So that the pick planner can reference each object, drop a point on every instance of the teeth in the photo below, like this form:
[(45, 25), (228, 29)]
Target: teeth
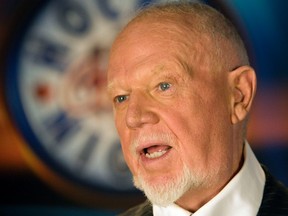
[(155, 154)]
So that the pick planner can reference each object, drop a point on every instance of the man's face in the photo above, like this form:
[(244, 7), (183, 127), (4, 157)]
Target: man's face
[(171, 109)]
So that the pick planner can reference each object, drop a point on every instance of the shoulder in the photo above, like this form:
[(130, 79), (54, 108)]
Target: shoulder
[(275, 197), (143, 209)]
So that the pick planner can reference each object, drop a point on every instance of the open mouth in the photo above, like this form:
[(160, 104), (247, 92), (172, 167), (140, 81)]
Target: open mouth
[(155, 151)]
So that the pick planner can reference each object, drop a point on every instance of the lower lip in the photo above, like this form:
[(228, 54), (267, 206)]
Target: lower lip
[(146, 159)]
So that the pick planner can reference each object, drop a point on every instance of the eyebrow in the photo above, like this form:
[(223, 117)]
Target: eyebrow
[(156, 71), (110, 87), (184, 64)]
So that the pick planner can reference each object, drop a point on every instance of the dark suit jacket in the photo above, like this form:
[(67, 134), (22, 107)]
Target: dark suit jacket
[(274, 201)]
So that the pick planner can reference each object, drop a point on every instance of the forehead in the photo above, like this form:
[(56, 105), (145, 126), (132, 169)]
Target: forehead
[(158, 42), (155, 35), (142, 38), (141, 70)]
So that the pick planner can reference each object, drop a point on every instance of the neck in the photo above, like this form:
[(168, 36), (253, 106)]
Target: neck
[(195, 198)]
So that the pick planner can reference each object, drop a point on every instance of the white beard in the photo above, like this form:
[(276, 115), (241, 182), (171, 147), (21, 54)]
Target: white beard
[(172, 189)]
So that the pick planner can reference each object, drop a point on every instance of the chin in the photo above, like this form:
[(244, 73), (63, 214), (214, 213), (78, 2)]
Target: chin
[(169, 189)]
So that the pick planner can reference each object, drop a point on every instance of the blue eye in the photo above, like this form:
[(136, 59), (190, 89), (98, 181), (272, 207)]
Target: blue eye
[(164, 86), (120, 98)]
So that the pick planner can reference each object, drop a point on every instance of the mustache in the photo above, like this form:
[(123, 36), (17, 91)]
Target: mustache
[(166, 138)]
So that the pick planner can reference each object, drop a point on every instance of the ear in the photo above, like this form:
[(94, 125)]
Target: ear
[(242, 83)]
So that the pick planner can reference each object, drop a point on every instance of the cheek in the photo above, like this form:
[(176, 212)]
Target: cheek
[(198, 129), (120, 124), (126, 142), (124, 138), (128, 154)]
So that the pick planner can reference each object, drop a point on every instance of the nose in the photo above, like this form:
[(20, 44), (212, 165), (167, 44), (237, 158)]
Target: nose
[(140, 112)]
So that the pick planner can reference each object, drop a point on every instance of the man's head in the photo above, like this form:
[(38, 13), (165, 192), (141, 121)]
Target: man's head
[(181, 90)]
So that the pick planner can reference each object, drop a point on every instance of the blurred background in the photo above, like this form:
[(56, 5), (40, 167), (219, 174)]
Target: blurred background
[(59, 152)]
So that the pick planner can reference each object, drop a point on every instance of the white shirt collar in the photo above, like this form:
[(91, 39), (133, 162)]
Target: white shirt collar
[(241, 196)]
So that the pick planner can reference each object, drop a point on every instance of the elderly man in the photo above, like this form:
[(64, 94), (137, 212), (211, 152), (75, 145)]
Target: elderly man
[(181, 86)]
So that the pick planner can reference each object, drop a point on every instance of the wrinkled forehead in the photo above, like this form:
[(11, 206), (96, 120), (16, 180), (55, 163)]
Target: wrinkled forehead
[(168, 36), (163, 33), (143, 39), (157, 31)]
